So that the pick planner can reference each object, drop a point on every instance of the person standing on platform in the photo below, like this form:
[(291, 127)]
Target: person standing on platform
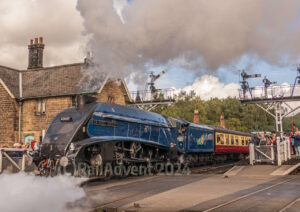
[(292, 137), (263, 140), (297, 144), (274, 138)]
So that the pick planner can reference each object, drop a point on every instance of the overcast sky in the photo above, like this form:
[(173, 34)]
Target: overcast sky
[(57, 21), (202, 44)]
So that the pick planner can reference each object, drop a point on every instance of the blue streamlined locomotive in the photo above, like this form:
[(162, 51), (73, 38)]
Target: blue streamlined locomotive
[(96, 134)]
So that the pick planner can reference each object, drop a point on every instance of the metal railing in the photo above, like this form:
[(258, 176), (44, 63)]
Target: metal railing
[(272, 92), (270, 153), (12, 156), (160, 95)]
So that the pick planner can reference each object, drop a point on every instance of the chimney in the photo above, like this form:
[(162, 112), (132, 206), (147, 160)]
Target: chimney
[(222, 121), (88, 61), (35, 57), (196, 117)]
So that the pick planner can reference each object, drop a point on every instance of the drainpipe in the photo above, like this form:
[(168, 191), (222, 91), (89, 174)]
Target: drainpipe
[(20, 105)]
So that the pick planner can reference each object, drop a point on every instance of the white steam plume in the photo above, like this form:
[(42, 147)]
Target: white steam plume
[(23, 192), (204, 34)]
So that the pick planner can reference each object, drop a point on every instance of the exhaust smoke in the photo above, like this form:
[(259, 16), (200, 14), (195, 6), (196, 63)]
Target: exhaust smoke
[(200, 35), (28, 193)]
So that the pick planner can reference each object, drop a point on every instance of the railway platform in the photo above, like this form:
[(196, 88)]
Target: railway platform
[(258, 170), (253, 189)]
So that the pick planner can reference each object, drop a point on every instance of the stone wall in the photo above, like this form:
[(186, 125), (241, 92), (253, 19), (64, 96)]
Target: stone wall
[(34, 122), (112, 93), (8, 112)]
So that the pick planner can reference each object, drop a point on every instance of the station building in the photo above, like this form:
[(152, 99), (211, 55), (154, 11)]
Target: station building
[(29, 99)]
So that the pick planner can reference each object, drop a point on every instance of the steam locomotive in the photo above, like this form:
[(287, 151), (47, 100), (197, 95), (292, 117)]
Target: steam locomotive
[(96, 134)]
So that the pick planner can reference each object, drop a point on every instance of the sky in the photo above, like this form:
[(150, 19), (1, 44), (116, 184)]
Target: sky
[(203, 44)]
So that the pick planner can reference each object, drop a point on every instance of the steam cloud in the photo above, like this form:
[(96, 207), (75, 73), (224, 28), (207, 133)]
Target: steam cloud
[(208, 86), (23, 192), (195, 34)]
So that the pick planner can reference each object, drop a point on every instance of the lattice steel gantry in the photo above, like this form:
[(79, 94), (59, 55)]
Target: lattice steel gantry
[(148, 100), (273, 96)]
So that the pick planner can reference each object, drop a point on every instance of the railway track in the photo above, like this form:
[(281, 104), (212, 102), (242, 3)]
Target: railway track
[(278, 194), (209, 169), (217, 168), (245, 200)]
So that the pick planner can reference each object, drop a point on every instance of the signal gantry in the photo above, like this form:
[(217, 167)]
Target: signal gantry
[(271, 96)]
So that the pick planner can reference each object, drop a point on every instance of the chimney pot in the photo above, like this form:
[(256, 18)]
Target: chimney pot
[(222, 121), (196, 117), (35, 57)]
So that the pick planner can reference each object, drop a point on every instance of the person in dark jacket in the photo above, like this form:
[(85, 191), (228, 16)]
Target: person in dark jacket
[(297, 144), (173, 153), (255, 140)]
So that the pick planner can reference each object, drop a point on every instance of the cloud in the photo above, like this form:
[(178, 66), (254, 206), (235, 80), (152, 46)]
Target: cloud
[(208, 86), (57, 21), (205, 35), (119, 6)]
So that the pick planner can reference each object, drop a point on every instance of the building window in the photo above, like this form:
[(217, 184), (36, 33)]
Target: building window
[(41, 107), (73, 101), (110, 99)]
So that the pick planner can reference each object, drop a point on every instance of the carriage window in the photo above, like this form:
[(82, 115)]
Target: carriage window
[(227, 139), (145, 131), (243, 141), (236, 140), (133, 130), (222, 138), (163, 136), (154, 134), (232, 140), (210, 137), (218, 139)]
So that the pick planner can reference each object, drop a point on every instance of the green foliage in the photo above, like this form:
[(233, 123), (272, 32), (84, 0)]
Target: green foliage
[(287, 122), (246, 118)]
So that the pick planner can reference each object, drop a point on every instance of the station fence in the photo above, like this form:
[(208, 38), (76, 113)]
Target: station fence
[(14, 159), (273, 154)]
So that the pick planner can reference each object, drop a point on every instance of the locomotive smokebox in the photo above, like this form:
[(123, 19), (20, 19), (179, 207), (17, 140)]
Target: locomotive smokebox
[(82, 100)]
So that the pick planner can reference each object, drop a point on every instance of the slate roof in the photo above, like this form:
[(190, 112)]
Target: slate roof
[(11, 79), (72, 79)]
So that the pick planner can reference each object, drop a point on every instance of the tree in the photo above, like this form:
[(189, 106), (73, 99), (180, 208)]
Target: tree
[(246, 118)]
